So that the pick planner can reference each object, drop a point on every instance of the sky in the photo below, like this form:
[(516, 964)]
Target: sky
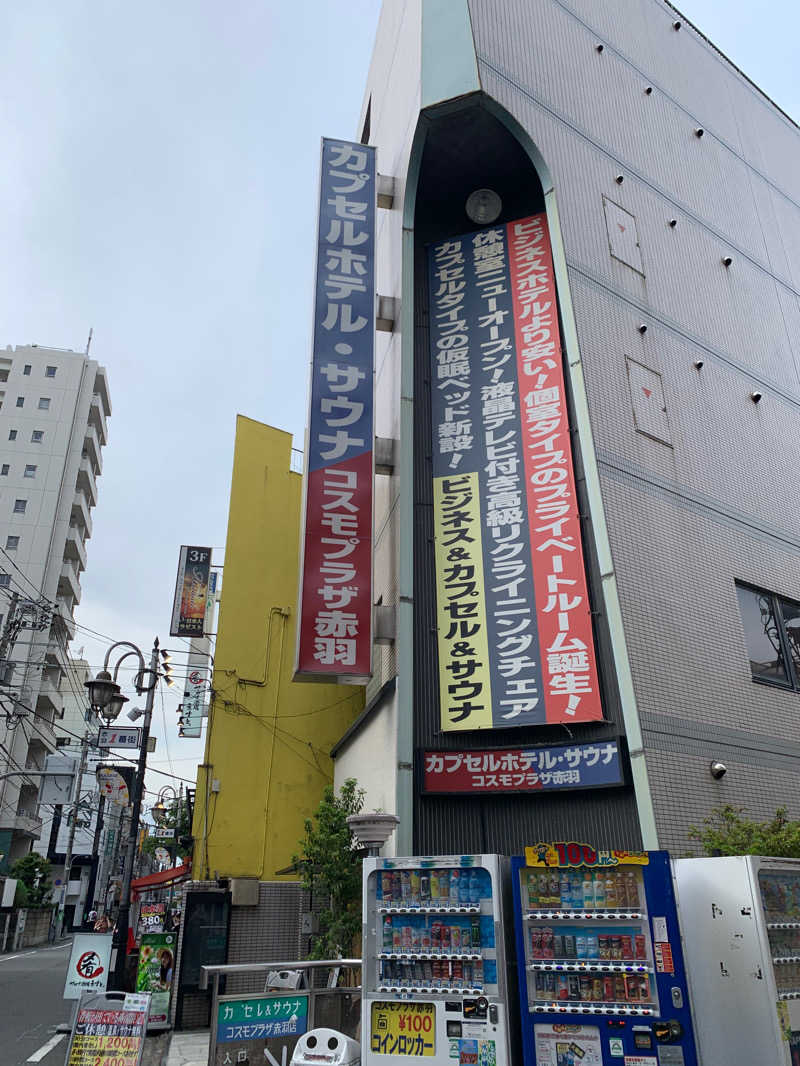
[(158, 185)]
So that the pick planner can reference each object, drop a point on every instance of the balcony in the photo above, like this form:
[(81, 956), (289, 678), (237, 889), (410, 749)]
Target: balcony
[(97, 418), (68, 581), (74, 549), (101, 388), (62, 617), (24, 822), (86, 482), (49, 700), (43, 727), (81, 514), (91, 449)]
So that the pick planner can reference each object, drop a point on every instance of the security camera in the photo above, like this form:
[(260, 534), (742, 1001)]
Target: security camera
[(755, 396), (699, 364), (718, 769)]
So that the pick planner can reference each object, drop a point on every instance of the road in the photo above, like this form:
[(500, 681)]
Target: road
[(31, 986)]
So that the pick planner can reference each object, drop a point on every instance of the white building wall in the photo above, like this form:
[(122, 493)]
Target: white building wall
[(54, 407)]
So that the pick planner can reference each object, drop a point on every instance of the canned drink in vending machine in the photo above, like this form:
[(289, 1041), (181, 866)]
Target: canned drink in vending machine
[(477, 973), (445, 939), (436, 937), (640, 946), (574, 986), (386, 886), (455, 938), (562, 990)]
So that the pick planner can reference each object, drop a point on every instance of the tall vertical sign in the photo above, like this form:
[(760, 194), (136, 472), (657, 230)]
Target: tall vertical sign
[(191, 592), (335, 616), (514, 624)]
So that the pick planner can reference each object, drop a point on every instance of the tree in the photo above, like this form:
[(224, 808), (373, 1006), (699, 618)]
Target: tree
[(330, 863), (728, 832), (176, 817), (33, 873)]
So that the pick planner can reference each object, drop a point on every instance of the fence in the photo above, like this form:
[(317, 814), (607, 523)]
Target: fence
[(330, 1006)]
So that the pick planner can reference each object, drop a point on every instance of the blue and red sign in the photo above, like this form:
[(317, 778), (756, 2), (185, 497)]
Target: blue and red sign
[(335, 631)]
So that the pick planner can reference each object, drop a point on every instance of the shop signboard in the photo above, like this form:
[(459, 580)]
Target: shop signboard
[(155, 972), (89, 961), (191, 592), (514, 625), (151, 918), (119, 737), (541, 769), (109, 1030), (259, 1028), (335, 615)]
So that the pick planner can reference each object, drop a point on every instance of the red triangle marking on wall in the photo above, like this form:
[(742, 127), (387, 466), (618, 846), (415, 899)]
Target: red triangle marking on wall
[(622, 228), (648, 392)]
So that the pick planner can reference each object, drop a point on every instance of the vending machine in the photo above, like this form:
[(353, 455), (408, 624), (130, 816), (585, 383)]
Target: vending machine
[(435, 979), (601, 975), (740, 917)]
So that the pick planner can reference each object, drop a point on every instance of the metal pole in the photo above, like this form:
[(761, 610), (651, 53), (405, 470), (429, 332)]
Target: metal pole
[(71, 838), (98, 829), (117, 977)]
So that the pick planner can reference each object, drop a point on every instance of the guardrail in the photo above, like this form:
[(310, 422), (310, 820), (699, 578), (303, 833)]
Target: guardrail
[(314, 994)]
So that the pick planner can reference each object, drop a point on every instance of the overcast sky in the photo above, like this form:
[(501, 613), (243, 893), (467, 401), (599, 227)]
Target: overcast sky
[(159, 164)]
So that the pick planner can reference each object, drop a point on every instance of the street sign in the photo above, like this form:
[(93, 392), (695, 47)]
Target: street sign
[(258, 1028), (119, 737), (109, 1028), (88, 964), (163, 834)]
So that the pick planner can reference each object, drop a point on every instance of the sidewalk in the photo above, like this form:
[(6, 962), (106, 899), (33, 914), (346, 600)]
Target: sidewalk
[(189, 1049)]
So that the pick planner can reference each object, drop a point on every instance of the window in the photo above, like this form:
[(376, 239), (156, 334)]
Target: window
[(20, 401), (12, 434), (4, 469), (19, 506), (26, 370), (37, 436), (5, 580), (50, 371), (30, 470), (772, 632), (44, 403), (12, 543)]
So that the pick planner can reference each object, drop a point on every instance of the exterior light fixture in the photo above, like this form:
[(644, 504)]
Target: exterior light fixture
[(673, 222), (101, 690), (699, 131), (135, 713), (676, 25), (648, 90), (483, 206), (699, 364), (599, 47), (112, 709)]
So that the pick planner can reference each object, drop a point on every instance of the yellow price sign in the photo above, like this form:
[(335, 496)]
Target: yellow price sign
[(399, 1028)]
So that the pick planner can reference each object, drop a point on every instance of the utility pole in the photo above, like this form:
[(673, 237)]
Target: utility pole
[(98, 829), (71, 838), (117, 977)]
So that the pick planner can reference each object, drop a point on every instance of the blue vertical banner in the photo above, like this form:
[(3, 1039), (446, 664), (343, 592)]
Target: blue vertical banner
[(335, 615)]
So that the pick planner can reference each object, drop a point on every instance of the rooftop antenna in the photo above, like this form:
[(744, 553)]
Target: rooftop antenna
[(89, 341)]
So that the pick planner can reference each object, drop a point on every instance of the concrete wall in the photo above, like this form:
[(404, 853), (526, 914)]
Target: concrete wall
[(711, 502), (268, 737)]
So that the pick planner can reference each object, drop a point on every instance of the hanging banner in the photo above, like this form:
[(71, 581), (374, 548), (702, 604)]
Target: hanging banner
[(513, 614), (335, 615), (154, 974), (191, 592)]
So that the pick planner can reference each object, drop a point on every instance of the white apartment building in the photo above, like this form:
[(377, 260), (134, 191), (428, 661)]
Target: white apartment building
[(54, 406)]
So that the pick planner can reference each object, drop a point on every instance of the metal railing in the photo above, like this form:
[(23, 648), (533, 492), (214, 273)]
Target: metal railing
[(315, 995)]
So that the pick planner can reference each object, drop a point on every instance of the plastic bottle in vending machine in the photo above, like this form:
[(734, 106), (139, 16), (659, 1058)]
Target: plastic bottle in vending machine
[(576, 902), (476, 933), (565, 885), (424, 888), (588, 890), (414, 887), (386, 886), (436, 937), (474, 887), (532, 888), (611, 891), (444, 885), (600, 890), (463, 887), (477, 973), (454, 886), (405, 883), (387, 934), (631, 891), (434, 884), (445, 939)]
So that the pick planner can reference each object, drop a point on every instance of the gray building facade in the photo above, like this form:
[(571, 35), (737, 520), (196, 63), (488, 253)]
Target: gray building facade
[(671, 192)]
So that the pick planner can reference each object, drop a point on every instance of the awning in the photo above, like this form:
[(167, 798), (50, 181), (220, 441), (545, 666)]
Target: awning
[(163, 877)]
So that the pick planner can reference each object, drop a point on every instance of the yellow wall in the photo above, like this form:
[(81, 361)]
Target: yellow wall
[(268, 737)]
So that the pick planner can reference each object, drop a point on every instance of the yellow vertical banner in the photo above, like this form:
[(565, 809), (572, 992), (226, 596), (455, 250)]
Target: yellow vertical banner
[(465, 686)]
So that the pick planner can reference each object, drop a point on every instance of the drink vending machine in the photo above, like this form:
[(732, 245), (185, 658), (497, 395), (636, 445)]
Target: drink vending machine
[(601, 975), (741, 921), (434, 979)]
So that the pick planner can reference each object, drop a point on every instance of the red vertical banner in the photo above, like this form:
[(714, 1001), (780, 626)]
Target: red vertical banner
[(569, 667), (334, 640)]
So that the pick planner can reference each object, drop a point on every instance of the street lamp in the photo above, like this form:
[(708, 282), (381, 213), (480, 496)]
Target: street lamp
[(107, 701)]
